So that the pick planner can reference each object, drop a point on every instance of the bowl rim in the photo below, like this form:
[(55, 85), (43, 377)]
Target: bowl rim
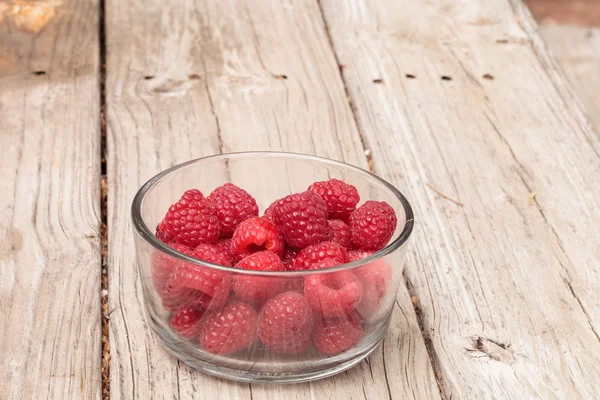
[(145, 233)]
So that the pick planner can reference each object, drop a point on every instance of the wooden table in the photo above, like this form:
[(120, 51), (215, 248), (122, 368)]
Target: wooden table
[(458, 103)]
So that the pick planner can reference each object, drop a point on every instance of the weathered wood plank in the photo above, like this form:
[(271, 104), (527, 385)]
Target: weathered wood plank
[(461, 98), (201, 77), (50, 224), (577, 50)]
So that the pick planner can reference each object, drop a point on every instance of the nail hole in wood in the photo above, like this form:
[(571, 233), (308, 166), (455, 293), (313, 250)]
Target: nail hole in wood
[(280, 77), (38, 73), (446, 78), (378, 80), (410, 76), (193, 76), (148, 77), (502, 41), (488, 76)]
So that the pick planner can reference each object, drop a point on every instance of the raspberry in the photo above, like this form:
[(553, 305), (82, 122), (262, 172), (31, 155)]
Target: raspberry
[(269, 211), (187, 322), (333, 294), (191, 221), (292, 285), (339, 232), (162, 265), (355, 255), (336, 335), (376, 279), (372, 225), (268, 214), (194, 285), (212, 254), (232, 205), (301, 219), (229, 330), (341, 198), (285, 323), (162, 236), (319, 256), (255, 234), (225, 245), (258, 289), (288, 257)]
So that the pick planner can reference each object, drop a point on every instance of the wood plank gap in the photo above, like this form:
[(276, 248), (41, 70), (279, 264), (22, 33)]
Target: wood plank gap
[(105, 361), (366, 148)]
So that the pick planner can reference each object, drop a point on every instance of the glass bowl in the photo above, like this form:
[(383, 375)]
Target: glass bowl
[(349, 306)]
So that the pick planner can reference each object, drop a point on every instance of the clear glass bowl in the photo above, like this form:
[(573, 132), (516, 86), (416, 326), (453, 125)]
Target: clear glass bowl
[(269, 176)]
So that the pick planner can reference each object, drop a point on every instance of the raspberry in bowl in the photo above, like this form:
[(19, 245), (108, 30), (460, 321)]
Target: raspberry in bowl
[(270, 267)]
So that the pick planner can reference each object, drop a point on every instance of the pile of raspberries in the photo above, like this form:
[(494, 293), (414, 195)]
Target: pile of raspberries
[(319, 228)]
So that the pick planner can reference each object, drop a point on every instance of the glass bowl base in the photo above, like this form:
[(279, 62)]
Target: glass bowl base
[(266, 371)]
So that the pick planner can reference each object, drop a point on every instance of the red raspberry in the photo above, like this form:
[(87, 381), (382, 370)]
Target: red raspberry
[(229, 330), (289, 255), (355, 255), (191, 284), (319, 256), (333, 294), (339, 232), (269, 211), (232, 206), (372, 225), (268, 214), (255, 234), (340, 197), (225, 245), (187, 322), (292, 285), (376, 280), (285, 323), (212, 254), (301, 219), (195, 286), (191, 221), (162, 236), (258, 289), (162, 265), (336, 335)]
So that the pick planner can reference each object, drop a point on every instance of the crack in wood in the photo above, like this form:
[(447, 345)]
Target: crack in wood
[(436, 365), (587, 315)]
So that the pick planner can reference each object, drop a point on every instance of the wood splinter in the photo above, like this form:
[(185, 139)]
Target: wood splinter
[(444, 196)]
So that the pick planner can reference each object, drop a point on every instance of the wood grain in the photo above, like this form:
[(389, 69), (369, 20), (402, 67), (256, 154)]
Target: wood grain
[(577, 51), (50, 224), (203, 77), (464, 97)]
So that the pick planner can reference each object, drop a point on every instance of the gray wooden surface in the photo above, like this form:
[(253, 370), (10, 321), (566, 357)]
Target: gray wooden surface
[(202, 80), (506, 283), (577, 51), (459, 104), (50, 204)]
